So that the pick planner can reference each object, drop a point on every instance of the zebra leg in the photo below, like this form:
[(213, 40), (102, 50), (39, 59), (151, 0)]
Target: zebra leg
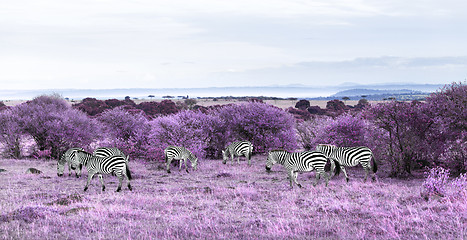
[(90, 175), (186, 168), (120, 180), (291, 178), (326, 178), (345, 173), (128, 181), (180, 167), (69, 169), (367, 170), (168, 164), (316, 179), (101, 178), (295, 179)]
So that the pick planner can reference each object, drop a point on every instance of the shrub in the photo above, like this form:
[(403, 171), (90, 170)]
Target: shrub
[(125, 130), (265, 126), (10, 134), (413, 139), (191, 129), (302, 104), (299, 114), (436, 181), (54, 125)]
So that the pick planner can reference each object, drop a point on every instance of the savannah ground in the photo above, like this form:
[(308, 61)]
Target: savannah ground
[(232, 201)]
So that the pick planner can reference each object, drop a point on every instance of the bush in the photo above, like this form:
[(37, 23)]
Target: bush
[(10, 134), (191, 129), (436, 181), (54, 125), (265, 126), (413, 138), (126, 130), (302, 104)]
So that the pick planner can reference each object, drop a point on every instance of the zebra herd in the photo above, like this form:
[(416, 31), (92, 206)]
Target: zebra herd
[(113, 161)]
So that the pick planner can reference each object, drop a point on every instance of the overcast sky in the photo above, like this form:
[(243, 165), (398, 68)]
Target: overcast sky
[(188, 43)]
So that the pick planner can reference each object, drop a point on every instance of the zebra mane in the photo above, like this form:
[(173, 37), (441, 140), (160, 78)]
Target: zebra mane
[(278, 150), (329, 145)]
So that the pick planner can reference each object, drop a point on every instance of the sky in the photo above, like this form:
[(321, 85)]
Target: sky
[(106, 44)]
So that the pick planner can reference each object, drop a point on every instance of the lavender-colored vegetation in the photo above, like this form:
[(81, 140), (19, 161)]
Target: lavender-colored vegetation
[(220, 202), (236, 201)]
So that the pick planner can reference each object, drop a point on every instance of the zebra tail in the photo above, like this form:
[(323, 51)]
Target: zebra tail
[(375, 167), (337, 169), (128, 173)]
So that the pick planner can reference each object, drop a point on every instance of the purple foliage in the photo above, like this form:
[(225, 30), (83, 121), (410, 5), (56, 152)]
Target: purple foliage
[(220, 202), (54, 125), (299, 114), (265, 126), (10, 134), (413, 138), (125, 130), (302, 104), (193, 130), (436, 181)]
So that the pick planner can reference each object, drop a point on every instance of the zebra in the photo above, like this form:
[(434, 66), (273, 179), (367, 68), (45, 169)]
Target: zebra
[(244, 148), (306, 161), (104, 165), (105, 152), (350, 157), (179, 153), (69, 158)]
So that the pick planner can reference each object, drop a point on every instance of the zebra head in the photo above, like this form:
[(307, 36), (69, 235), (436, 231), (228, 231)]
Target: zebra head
[(270, 161), (60, 168), (194, 163), (225, 156)]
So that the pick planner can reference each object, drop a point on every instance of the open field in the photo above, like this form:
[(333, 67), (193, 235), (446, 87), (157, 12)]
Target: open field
[(219, 202)]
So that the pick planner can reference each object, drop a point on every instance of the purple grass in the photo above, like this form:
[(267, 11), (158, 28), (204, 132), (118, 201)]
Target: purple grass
[(218, 201)]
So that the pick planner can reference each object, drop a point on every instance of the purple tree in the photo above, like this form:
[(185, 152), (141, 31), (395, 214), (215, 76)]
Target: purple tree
[(10, 133), (413, 139), (124, 129), (449, 110), (193, 130), (54, 125), (265, 126)]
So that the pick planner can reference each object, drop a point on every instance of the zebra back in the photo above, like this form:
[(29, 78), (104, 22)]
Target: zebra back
[(104, 165), (178, 153), (106, 151), (306, 161), (240, 148)]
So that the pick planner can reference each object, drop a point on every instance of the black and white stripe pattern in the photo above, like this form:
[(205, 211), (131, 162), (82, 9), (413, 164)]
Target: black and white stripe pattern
[(69, 159), (302, 162), (237, 149), (179, 153), (350, 157), (106, 151), (112, 164)]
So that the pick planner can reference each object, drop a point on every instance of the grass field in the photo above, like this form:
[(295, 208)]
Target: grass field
[(219, 202)]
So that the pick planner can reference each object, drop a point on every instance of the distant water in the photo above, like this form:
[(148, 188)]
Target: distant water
[(270, 91)]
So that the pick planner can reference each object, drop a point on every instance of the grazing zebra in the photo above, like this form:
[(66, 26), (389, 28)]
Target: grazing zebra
[(105, 152), (179, 153), (238, 149), (350, 157), (104, 165), (69, 158), (302, 162)]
